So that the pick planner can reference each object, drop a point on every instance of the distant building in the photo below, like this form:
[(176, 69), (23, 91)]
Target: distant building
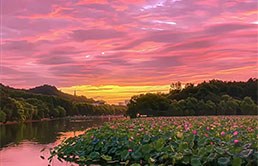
[(74, 92)]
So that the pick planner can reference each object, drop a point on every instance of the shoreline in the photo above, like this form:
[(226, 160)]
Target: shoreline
[(68, 117), (27, 121)]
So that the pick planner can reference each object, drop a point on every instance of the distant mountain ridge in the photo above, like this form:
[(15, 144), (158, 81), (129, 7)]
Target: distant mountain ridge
[(45, 90), (53, 91)]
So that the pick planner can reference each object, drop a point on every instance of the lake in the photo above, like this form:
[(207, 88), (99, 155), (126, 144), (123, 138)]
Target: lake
[(20, 144)]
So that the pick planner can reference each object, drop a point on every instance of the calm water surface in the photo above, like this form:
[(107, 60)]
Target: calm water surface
[(20, 144)]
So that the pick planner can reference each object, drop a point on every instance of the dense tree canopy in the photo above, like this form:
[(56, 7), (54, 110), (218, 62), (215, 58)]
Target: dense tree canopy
[(208, 98), (21, 105)]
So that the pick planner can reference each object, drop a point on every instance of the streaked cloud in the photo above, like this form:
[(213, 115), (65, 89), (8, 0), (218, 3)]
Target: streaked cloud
[(133, 46)]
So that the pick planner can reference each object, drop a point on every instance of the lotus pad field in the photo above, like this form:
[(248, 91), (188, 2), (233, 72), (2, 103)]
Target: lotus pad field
[(166, 141)]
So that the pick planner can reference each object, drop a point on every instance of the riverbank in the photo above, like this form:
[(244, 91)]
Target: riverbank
[(72, 118)]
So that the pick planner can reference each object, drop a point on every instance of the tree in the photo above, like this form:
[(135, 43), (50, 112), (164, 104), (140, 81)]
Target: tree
[(228, 105), (2, 116), (18, 113), (61, 110), (248, 107), (211, 108), (148, 104)]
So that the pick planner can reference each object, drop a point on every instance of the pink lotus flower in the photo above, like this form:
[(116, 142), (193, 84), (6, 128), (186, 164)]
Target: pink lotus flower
[(235, 133), (194, 132), (186, 128), (130, 140), (146, 132), (170, 138), (92, 137), (137, 134), (141, 129), (131, 129), (113, 127), (250, 129), (222, 133), (208, 128), (130, 150), (211, 143), (236, 141)]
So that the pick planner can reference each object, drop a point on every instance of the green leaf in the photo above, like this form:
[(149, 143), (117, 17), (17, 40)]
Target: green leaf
[(82, 158), (223, 161), (106, 157), (220, 150), (124, 155), (186, 160), (237, 162), (136, 155), (112, 150), (211, 157), (188, 152), (256, 155), (42, 157), (196, 161), (94, 155), (146, 148), (182, 146), (135, 164), (146, 139), (159, 144)]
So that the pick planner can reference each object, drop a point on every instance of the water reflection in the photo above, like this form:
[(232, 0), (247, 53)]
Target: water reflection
[(20, 144)]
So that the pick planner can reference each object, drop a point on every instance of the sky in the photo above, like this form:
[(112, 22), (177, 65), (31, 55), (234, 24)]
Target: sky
[(113, 49)]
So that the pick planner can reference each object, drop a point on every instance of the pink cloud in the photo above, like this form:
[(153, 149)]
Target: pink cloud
[(120, 42)]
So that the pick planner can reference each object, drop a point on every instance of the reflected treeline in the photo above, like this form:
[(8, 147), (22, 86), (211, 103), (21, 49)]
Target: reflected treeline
[(43, 132)]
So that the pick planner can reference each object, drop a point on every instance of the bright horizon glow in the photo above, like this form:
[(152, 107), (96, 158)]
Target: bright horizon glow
[(136, 46), (113, 94)]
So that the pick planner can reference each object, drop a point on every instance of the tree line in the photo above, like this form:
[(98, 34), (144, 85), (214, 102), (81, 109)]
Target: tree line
[(20, 105), (208, 98)]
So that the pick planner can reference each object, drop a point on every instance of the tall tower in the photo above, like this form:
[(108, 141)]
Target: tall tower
[(74, 92)]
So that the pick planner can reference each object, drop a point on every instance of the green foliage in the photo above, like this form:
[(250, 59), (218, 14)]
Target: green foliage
[(248, 107), (61, 110), (21, 105), (214, 89), (167, 141), (148, 104), (212, 98), (2, 116)]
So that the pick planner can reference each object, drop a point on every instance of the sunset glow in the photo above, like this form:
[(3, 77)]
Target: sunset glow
[(112, 50)]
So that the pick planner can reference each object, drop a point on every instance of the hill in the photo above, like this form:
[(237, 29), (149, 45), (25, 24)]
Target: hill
[(53, 91)]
